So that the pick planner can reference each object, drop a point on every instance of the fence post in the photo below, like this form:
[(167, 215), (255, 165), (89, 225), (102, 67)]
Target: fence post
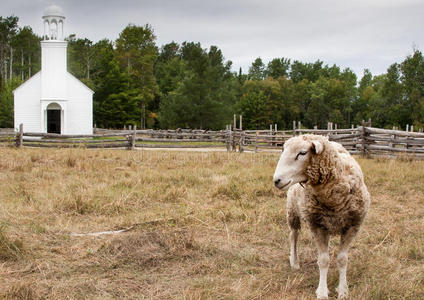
[(392, 139), (294, 128), (241, 122), (271, 138), (227, 138), (229, 132), (275, 135), (234, 135), (20, 136), (408, 129), (133, 138), (241, 147), (364, 134), (256, 142)]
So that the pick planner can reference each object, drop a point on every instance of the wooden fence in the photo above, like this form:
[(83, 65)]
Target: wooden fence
[(366, 141), (121, 139), (258, 140), (384, 142)]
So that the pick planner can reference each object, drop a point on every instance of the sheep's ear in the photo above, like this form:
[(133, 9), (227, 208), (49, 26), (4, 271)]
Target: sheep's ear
[(317, 147)]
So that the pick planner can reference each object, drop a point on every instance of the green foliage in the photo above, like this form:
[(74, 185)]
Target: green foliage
[(185, 85), (6, 103), (137, 53), (27, 53), (80, 56), (177, 110), (110, 81), (308, 71), (202, 92), (268, 101), (19, 60), (123, 108), (281, 101), (278, 67), (257, 70), (412, 80), (8, 29), (253, 105), (169, 68)]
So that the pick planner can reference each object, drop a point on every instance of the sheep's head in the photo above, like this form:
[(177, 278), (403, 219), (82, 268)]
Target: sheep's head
[(294, 164)]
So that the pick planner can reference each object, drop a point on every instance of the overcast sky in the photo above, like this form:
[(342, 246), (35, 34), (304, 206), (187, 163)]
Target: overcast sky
[(357, 34)]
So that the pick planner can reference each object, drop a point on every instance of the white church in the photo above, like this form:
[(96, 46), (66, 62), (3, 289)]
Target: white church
[(53, 100)]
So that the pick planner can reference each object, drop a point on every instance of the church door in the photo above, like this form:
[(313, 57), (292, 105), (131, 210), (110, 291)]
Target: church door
[(53, 121)]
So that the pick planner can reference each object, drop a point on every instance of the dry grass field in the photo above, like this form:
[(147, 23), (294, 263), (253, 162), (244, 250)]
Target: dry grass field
[(206, 226)]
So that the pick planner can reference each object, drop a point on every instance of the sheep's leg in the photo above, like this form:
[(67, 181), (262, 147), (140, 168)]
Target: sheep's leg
[(342, 259), (294, 257), (293, 221), (321, 239)]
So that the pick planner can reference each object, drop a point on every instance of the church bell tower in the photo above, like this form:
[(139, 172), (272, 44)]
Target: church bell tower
[(53, 55)]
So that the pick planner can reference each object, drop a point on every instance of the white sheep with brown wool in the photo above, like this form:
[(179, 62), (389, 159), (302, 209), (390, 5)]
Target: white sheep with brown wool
[(326, 190)]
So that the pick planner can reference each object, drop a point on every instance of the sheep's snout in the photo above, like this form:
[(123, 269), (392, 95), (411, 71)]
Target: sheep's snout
[(281, 184)]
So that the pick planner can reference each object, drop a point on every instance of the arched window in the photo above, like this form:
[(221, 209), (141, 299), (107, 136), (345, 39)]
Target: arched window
[(60, 29), (54, 105), (46, 29), (53, 29)]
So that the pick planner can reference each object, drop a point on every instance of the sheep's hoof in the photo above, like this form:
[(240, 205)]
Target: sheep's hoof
[(322, 294), (343, 293), (294, 263)]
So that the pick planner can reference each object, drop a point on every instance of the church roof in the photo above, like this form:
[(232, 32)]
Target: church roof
[(23, 85), (38, 75), (53, 10)]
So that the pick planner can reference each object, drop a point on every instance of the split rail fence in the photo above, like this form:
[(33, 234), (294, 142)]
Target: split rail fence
[(365, 141)]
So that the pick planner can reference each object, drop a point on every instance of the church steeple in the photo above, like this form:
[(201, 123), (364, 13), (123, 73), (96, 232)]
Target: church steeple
[(53, 23), (53, 55)]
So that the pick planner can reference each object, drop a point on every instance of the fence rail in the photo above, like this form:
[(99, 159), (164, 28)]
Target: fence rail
[(367, 141)]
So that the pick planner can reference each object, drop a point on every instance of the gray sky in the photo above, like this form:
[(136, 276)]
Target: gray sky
[(357, 34)]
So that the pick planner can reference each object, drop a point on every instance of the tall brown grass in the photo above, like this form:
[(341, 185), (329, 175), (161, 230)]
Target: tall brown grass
[(207, 226)]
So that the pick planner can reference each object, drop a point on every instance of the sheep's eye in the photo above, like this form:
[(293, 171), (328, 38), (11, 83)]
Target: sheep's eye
[(300, 153)]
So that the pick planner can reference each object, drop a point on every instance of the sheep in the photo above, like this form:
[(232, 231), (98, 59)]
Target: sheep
[(326, 190)]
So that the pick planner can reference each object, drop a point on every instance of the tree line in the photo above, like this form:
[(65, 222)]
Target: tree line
[(136, 82)]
